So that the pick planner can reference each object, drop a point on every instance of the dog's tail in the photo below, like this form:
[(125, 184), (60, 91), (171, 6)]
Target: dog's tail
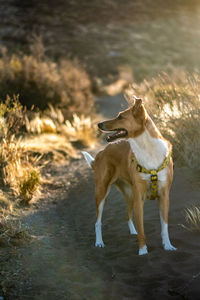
[(88, 158)]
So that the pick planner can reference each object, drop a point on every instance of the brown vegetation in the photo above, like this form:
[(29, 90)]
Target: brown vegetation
[(12, 233), (15, 166), (40, 81)]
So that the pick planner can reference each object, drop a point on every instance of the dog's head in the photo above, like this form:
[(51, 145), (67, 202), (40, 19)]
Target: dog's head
[(128, 124)]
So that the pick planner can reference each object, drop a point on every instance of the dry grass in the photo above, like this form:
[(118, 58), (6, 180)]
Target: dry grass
[(192, 216), (15, 166), (61, 133), (6, 203), (50, 146), (82, 129), (40, 125), (174, 104), (12, 232)]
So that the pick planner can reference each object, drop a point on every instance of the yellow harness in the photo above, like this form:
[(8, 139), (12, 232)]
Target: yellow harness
[(154, 174)]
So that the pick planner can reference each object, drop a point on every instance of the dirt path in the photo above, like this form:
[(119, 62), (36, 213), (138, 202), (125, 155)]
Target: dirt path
[(62, 262)]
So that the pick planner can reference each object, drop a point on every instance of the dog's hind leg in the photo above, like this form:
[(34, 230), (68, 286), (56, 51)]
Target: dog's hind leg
[(101, 191), (127, 193)]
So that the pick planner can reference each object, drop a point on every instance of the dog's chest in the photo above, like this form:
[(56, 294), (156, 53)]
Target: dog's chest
[(150, 154)]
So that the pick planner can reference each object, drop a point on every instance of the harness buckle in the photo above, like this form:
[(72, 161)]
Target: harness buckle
[(154, 177)]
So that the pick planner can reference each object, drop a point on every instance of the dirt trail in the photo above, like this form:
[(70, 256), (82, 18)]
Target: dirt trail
[(62, 262)]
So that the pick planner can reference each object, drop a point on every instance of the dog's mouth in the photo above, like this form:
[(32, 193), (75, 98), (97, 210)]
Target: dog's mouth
[(118, 133)]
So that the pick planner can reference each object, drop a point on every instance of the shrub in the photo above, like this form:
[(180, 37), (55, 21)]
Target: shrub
[(14, 163), (12, 232), (11, 117), (29, 183), (40, 81)]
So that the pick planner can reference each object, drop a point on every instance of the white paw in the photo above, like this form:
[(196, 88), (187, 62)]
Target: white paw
[(143, 250), (100, 244), (133, 232), (169, 247)]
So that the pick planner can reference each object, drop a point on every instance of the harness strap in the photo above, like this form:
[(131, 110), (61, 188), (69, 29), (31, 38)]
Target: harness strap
[(154, 174)]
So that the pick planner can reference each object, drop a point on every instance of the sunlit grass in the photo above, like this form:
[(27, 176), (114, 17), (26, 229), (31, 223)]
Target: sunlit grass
[(46, 144), (17, 168), (61, 133), (174, 103), (82, 129), (192, 217), (40, 125)]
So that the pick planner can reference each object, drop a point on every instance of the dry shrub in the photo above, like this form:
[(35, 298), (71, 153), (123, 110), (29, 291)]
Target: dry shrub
[(29, 184), (14, 163), (12, 232), (17, 171), (40, 81), (174, 104), (192, 216), (40, 125), (81, 129), (6, 203)]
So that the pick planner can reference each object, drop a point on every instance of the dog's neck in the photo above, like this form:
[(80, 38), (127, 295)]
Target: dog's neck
[(150, 148)]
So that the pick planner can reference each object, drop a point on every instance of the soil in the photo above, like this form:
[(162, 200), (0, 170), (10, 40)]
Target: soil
[(61, 261)]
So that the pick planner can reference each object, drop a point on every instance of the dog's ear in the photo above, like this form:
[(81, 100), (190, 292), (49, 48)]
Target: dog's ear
[(137, 106)]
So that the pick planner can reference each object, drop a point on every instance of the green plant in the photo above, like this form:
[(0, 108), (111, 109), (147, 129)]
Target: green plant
[(29, 183)]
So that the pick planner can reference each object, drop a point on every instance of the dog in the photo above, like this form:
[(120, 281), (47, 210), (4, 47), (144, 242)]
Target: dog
[(138, 161)]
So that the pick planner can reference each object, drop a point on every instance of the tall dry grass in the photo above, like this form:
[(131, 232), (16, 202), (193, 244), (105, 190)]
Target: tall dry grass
[(174, 104), (192, 217), (51, 132), (16, 171)]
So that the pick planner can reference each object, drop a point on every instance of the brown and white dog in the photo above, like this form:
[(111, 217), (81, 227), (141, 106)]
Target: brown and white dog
[(134, 133)]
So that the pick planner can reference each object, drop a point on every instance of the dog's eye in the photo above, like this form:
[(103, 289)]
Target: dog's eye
[(119, 117)]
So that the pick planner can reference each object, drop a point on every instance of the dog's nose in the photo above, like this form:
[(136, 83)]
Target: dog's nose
[(100, 125)]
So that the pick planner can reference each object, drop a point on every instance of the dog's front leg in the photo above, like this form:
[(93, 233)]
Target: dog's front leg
[(139, 212), (164, 208)]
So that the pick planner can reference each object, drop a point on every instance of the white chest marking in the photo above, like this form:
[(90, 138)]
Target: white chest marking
[(150, 153)]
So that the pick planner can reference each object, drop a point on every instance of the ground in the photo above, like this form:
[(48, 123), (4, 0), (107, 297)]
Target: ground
[(61, 261)]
